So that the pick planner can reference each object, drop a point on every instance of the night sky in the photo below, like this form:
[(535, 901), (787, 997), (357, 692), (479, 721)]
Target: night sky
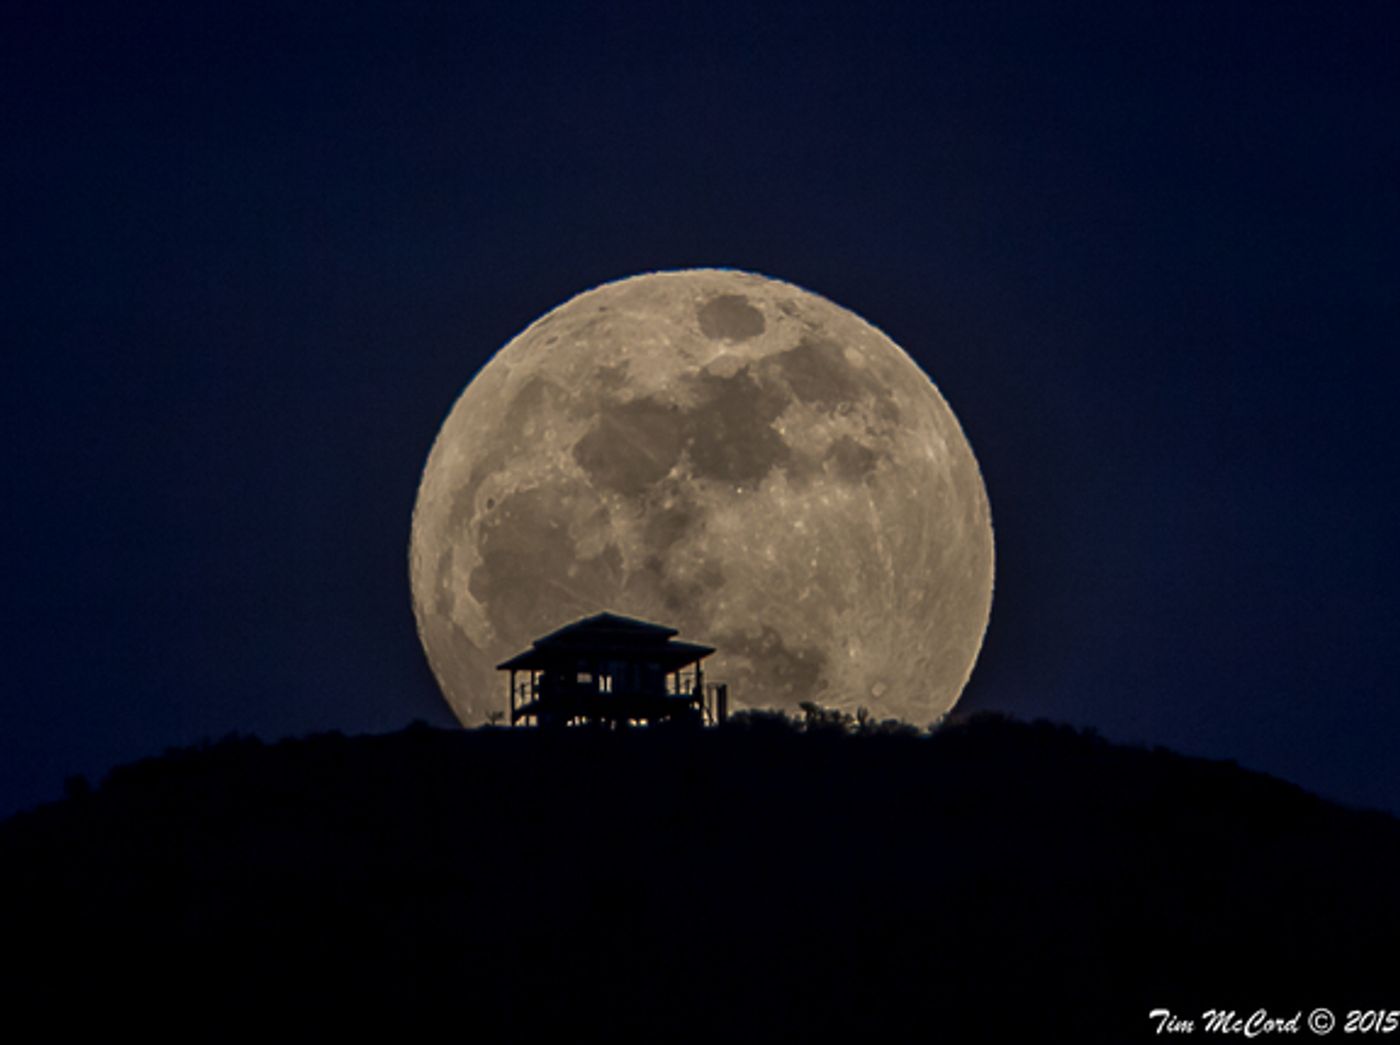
[(1149, 252)]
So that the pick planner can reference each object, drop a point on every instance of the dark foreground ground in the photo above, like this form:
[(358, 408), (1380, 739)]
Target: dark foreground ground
[(997, 881)]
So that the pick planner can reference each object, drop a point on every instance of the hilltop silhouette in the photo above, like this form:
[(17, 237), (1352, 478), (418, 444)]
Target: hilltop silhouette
[(764, 881)]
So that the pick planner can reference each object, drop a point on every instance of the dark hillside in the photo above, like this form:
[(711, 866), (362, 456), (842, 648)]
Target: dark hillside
[(751, 883)]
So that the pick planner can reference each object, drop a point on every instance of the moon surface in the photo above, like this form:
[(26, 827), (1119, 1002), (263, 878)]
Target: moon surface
[(725, 453)]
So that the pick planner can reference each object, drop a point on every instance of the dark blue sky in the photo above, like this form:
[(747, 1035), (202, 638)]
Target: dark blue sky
[(1150, 253)]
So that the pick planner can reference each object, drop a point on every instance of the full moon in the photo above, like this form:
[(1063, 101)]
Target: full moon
[(724, 453)]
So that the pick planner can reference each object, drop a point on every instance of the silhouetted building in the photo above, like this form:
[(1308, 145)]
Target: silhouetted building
[(613, 671)]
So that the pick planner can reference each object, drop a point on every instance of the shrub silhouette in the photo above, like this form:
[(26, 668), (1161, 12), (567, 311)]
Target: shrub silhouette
[(818, 719)]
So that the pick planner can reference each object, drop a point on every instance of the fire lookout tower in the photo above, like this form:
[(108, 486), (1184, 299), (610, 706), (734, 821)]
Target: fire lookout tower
[(613, 671)]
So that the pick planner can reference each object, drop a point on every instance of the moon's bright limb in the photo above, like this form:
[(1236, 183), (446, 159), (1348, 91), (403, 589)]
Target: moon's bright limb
[(721, 452)]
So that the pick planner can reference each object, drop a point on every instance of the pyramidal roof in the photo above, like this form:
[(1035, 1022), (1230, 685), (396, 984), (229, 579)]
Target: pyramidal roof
[(610, 633), (608, 626)]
